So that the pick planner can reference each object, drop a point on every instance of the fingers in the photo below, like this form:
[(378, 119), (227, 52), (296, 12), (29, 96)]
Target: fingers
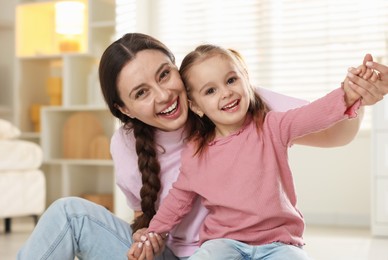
[(148, 251), (136, 237), (157, 243), (147, 247), (369, 91), (136, 251), (368, 57), (375, 76), (351, 96), (368, 73), (377, 66)]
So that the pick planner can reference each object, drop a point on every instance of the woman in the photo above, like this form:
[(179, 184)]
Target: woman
[(143, 89)]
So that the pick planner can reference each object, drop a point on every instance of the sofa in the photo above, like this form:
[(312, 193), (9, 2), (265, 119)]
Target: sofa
[(22, 182)]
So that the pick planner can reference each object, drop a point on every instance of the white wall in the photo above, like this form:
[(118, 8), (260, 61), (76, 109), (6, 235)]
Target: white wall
[(334, 184)]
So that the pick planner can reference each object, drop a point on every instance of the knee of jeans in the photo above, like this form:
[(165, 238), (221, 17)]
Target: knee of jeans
[(68, 204)]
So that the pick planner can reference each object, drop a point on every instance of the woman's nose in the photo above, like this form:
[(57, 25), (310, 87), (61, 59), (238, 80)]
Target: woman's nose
[(161, 94)]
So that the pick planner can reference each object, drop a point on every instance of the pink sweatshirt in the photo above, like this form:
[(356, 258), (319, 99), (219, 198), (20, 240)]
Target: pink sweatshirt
[(244, 179), (184, 238)]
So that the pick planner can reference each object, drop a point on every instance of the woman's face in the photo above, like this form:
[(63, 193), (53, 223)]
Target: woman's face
[(152, 91)]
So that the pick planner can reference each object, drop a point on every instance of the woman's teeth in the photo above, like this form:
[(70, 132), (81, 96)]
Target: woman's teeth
[(170, 108)]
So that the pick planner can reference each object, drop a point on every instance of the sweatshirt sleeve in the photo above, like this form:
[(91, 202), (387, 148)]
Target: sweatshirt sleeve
[(316, 116), (127, 174), (279, 102), (174, 207)]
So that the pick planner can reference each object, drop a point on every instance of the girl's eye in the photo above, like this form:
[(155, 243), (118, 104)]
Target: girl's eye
[(210, 91), (231, 80)]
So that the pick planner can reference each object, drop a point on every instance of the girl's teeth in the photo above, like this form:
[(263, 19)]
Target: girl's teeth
[(231, 105)]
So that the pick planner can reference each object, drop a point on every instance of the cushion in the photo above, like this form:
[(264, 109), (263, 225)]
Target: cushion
[(8, 130)]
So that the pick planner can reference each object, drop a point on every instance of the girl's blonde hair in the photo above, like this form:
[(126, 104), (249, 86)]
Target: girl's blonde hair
[(201, 130)]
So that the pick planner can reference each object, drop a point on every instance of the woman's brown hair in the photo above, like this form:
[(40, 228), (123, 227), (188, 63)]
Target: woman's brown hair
[(114, 58), (201, 129)]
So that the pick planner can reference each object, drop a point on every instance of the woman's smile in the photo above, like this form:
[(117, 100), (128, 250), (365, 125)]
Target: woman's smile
[(172, 110)]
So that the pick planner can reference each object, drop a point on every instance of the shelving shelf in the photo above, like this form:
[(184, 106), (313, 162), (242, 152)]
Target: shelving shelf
[(379, 216), (41, 66)]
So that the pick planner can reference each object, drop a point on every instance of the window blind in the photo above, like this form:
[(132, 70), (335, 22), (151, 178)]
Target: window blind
[(300, 48)]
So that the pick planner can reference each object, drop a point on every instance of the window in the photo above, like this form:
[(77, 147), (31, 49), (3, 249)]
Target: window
[(300, 48)]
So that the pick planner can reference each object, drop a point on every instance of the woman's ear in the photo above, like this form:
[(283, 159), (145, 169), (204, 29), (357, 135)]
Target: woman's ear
[(124, 110), (195, 108)]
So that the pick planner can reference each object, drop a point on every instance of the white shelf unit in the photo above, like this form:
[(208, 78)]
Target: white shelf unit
[(53, 123), (74, 177), (7, 58), (379, 189), (80, 93)]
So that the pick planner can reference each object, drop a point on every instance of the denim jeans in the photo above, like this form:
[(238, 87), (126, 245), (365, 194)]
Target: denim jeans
[(221, 249), (76, 227)]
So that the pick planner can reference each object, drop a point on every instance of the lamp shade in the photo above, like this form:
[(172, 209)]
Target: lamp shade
[(69, 17)]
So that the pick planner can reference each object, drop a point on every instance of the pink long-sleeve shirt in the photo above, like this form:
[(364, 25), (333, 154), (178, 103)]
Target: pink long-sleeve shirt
[(244, 180), (184, 238)]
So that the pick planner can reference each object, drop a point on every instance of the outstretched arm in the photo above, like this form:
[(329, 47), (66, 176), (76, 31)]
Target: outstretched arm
[(370, 89)]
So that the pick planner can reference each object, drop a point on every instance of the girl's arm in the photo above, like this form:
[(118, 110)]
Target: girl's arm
[(343, 132), (339, 134)]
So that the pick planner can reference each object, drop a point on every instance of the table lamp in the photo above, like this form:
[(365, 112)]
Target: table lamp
[(69, 23)]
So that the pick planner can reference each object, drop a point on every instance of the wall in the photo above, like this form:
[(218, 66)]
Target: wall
[(334, 184)]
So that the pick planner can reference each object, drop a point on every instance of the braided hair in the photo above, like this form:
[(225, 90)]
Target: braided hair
[(114, 58)]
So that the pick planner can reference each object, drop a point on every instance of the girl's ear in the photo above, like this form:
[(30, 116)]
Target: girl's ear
[(124, 110), (195, 108)]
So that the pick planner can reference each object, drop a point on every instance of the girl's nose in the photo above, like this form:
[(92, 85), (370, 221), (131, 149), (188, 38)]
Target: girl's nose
[(226, 92)]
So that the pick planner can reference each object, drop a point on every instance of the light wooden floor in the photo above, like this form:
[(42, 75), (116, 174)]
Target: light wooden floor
[(322, 243)]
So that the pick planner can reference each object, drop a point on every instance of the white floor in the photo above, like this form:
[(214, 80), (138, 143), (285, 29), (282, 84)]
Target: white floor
[(322, 243)]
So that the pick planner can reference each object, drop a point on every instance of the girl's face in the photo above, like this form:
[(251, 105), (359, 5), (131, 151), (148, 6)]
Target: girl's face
[(152, 91), (220, 91)]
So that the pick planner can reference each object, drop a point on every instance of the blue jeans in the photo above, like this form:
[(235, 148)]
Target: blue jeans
[(220, 249), (76, 227)]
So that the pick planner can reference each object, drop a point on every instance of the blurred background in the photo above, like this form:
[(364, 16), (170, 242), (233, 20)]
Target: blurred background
[(49, 88)]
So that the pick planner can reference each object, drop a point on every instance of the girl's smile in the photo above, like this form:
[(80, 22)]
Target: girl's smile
[(232, 106)]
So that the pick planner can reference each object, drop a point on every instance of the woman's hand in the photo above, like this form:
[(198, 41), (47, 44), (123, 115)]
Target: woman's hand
[(145, 245), (382, 82), (369, 84), (140, 249)]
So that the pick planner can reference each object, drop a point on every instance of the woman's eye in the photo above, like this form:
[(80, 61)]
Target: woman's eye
[(139, 93), (210, 91), (164, 74)]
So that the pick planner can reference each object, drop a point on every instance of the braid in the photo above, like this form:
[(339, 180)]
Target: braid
[(149, 167), (113, 60)]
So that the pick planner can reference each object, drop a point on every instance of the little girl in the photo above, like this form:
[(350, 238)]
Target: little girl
[(235, 161)]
